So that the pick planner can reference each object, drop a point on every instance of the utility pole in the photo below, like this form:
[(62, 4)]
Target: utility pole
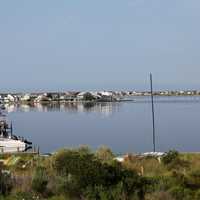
[(153, 113)]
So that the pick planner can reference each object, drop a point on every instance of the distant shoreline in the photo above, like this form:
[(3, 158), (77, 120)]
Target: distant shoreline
[(88, 96)]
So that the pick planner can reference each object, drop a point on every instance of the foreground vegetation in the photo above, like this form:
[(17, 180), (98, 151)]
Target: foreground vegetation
[(80, 174)]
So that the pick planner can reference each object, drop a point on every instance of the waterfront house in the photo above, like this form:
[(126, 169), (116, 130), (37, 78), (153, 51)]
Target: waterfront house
[(80, 96), (69, 96), (42, 98), (26, 97), (107, 96), (88, 96), (9, 98), (54, 96)]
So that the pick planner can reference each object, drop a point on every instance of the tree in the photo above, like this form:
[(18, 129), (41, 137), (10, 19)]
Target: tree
[(88, 97)]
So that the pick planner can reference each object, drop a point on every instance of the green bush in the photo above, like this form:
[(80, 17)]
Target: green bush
[(104, 154), (177, 192), (159, 195), (83, 171), (170, 157), (60, 197), (197, 195), (173, 161), (39, 180), (103, 193), (193, 180), (5, 183), (23, 196)]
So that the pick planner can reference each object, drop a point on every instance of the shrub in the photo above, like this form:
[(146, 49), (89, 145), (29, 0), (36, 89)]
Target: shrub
[(23, 196), (60, 197), (170, 157), (193, 180), (177, 192), (5, 183), (40, 180), (197, 195), (105, 154), (173, 161), (160, 195), (83, 171), (102, 193)]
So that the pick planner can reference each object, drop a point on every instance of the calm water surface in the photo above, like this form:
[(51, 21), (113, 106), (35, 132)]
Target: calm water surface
[(124, 126)]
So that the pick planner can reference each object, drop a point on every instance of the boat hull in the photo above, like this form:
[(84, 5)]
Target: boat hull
[(10, 146)]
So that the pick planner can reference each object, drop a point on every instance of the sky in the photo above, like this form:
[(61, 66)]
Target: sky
[(99, 45)]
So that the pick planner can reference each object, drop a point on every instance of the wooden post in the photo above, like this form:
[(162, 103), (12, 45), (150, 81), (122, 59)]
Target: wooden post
[(142, 170)]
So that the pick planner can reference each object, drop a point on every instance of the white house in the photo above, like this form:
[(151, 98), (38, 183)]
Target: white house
[(42, 97), (105, 93), (26, 97), (9, 98), (80, 96)]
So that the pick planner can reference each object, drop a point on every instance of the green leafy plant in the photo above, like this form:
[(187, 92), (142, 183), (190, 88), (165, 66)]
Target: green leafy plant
[(39, 180)]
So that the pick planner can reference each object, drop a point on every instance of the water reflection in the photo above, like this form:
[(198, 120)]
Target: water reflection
[(104, 108), (125, 126)]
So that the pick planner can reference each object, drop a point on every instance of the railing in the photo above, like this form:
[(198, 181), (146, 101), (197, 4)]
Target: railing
[(4, 150)]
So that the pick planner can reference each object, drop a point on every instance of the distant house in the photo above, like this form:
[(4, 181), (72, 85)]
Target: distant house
[(105, 93), (9, 98), (87, 96), (42, 98), (54, 96), (96, 95), (107, 96), (26, 97), (80, 96), (68, 96)]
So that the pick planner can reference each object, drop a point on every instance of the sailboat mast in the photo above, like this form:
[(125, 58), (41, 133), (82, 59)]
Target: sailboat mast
[(153, 113), (11, 128)]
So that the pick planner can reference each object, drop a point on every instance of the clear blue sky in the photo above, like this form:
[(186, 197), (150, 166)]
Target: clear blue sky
[(104, 44)]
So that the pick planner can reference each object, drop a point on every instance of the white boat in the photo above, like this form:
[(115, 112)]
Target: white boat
[(10, 143)]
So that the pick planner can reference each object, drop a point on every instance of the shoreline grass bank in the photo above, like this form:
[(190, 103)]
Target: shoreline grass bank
[(85, 174)]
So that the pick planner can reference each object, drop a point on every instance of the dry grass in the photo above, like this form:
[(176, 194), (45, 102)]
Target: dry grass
[(193, 159), (147, 166), (159, 196), (151, 166)]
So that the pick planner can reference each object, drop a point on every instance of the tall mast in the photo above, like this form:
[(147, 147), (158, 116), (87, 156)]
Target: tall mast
[(153, 113), (11, 128)]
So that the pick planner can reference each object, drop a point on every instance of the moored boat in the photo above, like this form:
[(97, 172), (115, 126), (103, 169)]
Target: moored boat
[(10, 143)]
